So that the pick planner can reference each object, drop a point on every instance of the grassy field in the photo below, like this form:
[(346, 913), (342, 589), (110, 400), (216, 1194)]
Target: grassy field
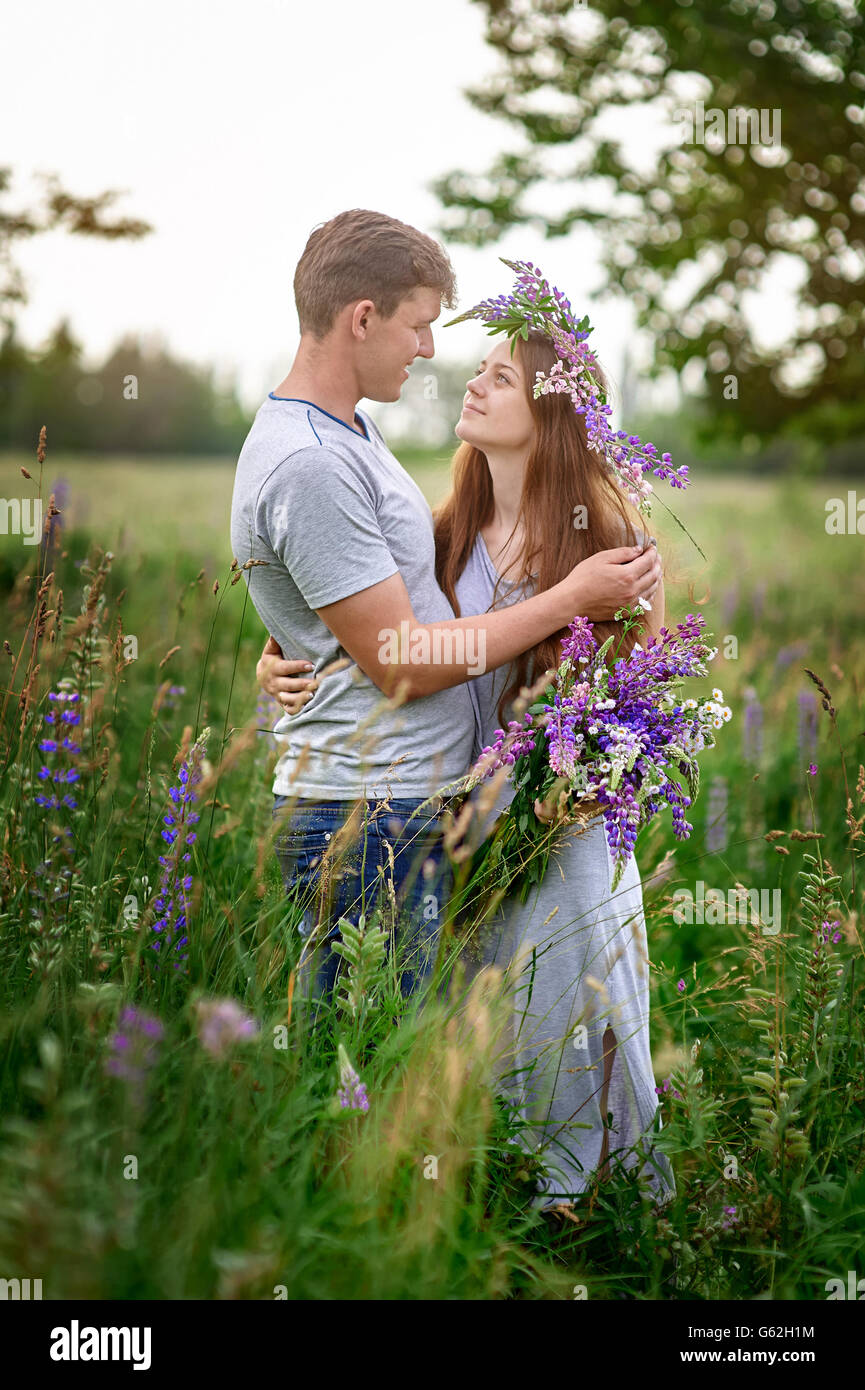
[(189, 1171)]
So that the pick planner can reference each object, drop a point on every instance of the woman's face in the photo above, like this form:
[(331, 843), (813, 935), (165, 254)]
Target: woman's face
[(496, 412)]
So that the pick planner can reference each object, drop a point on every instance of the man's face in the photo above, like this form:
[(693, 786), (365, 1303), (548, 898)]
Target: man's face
[(393, 344)]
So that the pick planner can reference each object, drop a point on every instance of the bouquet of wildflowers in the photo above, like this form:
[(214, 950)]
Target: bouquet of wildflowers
[(613, 732)]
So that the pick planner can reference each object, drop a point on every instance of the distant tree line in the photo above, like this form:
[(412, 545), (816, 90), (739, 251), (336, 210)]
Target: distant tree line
[(140, 399)]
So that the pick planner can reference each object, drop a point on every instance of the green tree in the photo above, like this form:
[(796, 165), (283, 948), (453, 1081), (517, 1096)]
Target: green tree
[(714, 216)]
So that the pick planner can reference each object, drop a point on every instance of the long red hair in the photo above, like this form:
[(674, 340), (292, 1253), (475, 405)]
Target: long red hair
[(561, 474)]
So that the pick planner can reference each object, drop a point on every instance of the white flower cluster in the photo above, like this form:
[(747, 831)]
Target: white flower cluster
[(712, 711)]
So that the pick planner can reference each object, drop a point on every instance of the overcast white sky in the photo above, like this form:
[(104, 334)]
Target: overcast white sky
[(236, 126)]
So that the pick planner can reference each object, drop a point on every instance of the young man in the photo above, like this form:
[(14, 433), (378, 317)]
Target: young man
[(344, 541)]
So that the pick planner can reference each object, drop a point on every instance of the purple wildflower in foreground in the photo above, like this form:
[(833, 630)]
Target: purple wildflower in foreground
[(57, 775), (221, 1024), (352, 1091), (716, 817), (172, 901), (60, 750), (827, 934), (134, 1049), (661, 1090), (812, 769), (752, 730)]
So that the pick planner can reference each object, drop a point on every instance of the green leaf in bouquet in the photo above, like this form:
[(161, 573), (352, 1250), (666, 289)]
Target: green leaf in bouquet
[(647, 789), (603, 649), (692, 773)]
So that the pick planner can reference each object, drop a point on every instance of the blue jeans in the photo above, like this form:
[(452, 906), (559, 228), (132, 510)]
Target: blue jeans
[(348, 883)]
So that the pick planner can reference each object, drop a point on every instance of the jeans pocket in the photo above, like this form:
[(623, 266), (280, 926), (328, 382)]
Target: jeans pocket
[(301, 841), (327, 875)]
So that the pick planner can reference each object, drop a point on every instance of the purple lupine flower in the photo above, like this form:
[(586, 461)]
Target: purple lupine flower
[(134, 1048), (172, 899), (352, 1091), (221, 1024), (661, 1090), (58, 773), (716, 816), (579, 647), (681, 986), (60, 770), (790, 653), (506, 747), (729, 604), (752, 732), (827, 934), (812, 769)]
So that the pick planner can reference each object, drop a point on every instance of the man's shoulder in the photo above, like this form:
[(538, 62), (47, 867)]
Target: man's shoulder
[(278, 437), (281, 425)]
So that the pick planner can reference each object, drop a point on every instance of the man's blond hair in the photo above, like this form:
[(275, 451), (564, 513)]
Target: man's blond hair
[(366, 255)]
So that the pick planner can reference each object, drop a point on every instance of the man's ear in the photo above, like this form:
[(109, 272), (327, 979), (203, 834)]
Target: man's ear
[(360, 316)]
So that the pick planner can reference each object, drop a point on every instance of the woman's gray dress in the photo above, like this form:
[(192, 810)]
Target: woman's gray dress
[(578, 979)]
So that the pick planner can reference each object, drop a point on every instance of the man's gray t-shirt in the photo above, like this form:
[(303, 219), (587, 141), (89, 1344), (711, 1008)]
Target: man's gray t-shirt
[(332, 512)]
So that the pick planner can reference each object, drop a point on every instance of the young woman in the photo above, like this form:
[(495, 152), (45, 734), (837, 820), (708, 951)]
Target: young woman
[(529, 501)]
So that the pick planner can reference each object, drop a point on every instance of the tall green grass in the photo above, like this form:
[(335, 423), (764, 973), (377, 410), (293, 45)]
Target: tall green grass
[(237, 1176)]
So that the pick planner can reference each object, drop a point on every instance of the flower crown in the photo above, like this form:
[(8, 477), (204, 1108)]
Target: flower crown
[(534, 304)]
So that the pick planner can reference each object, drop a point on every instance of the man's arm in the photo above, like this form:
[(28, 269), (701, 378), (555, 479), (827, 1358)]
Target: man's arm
[(372, 624), (317, 511)]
